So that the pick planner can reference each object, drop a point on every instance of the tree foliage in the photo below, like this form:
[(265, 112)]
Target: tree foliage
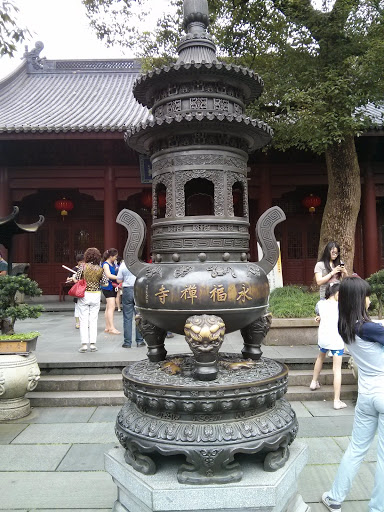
[(10, 33), (322, 63), (376, 282), (11, 309)]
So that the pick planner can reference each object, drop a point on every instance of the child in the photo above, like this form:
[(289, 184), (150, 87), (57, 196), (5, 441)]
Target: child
[(329, 340)]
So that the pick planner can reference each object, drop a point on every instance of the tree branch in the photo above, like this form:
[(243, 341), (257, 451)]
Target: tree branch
[(302, 12), (342, 9)]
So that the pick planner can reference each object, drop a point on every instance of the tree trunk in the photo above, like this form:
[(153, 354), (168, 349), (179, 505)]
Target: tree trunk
[(343, 200), (7, 326)]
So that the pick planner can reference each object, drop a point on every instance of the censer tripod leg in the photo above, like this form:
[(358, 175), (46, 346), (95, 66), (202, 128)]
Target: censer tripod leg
[(154, 337), (205, 335), (253, 334)]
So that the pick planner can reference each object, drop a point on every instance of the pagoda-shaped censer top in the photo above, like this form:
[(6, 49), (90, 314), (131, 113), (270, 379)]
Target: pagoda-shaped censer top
[(198, 139)]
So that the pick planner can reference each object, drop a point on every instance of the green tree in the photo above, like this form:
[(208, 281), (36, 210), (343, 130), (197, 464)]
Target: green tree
[(11, 309), (376, 281), (321, 64), (10, 33)]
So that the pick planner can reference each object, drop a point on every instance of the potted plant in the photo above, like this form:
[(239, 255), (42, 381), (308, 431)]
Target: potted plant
[(19, 371)]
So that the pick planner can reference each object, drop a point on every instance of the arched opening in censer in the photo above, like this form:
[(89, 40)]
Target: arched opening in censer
[(199, 197), (238, 199), (161, 202)]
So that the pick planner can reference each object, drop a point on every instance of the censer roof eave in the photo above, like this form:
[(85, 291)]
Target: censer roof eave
[(255, 133), (149, 83)]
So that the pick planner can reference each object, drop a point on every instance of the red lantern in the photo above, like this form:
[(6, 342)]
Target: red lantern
[(311, 202), (146, 198), (64, 206)]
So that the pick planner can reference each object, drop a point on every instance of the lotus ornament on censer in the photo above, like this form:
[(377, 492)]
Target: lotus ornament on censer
[(206, 405)]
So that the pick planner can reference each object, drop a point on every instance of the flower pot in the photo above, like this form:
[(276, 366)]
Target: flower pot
[(14, 346), (18, 375)]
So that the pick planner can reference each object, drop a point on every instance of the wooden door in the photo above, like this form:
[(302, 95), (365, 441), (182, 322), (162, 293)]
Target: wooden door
[(299, 239), (58, 243)]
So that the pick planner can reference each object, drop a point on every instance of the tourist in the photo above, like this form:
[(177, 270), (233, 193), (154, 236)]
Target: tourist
[(89, 305), (329, 340), (365, 340), (3, 266), (329, 269), (109, 258), (79, 262), (127, 279), (118, 286)]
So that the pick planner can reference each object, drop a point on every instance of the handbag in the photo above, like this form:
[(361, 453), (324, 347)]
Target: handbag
[(78, 289)]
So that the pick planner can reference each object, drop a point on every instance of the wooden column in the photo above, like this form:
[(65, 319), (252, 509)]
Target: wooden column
[(265, 190), (5, 201), (5, 193), (370, 234), (110, 210)]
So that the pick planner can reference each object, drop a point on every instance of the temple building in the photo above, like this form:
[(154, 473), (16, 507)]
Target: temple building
[(63, 155)]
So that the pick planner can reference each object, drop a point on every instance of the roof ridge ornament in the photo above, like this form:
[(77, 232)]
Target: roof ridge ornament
[(32, 57)]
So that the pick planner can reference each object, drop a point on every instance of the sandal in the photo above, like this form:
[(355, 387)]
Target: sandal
[(83, 348), (338, 404), (314, 385), (114, 332), (93, 348)]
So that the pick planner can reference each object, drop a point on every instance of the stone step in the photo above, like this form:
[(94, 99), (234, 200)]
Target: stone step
[(106, 389), (304, 377), (303, 393), (93, 382), (113, 382), (75, 398)]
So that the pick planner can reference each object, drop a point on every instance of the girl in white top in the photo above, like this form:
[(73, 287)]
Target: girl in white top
[(365, 340), (329, 340)]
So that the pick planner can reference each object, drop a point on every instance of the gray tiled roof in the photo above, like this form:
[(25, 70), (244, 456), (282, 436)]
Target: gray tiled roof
[(375, 113), (80, 96), (70, 96)]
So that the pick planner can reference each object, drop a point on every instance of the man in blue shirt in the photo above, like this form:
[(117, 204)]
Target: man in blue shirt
[(3, 266), (128, 279)]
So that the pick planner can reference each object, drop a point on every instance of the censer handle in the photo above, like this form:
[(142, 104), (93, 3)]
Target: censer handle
[(265, 233), (133, 249)]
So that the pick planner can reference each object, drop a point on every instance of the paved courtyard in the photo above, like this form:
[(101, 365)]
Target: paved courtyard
[(52, 460)]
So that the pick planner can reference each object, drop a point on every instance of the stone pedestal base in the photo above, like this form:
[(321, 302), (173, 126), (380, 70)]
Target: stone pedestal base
[(18, 375), (14, 408), (258, 491)]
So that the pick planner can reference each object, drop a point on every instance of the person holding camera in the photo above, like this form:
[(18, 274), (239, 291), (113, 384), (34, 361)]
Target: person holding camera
[(329, 269)]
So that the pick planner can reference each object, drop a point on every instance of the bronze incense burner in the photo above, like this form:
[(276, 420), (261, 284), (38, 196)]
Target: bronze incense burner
[(208, 406)]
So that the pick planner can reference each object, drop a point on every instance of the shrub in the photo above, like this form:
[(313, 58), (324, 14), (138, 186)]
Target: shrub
[(10, 309), (376, 282), (292, 302)]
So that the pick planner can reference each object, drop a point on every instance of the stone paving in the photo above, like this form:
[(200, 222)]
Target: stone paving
[(52, 460)]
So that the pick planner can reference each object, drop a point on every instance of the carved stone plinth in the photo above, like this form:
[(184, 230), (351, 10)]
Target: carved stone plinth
[(241, 411), (257, 492)]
